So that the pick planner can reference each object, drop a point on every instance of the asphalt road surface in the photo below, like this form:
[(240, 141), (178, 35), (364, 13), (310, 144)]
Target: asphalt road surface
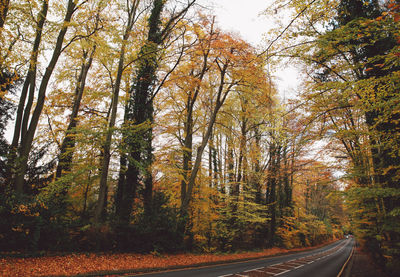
[(323, 262)]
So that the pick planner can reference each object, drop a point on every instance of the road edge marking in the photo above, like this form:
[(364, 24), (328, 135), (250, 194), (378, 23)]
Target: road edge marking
[(345, 264)]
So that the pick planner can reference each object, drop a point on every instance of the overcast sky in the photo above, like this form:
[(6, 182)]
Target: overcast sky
[(245, 18), (242, 17)]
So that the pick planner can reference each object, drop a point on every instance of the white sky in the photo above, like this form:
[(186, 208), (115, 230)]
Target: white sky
[(245, 18), (242, 17)]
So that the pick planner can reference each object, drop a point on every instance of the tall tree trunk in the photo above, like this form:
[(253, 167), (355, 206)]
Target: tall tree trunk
[(29, 84), (4, 4), (257, 166), (122, 172), (27, 138), (101, 201), (242, 151), (287, 188), (215, 163), (230, 161), (187, 146), (271, 197), (210, 158), (188, 125), (220, 172), (220, 99), (140, 113), (68, 143)]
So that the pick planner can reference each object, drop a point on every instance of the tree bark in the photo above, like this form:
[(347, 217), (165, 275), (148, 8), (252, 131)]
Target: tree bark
[(101, 202), (4, 4), (221, 96), (272, 183), (140, 113), (27, 138), (257, 167), (29, 84), (68, 143), (187, 148)]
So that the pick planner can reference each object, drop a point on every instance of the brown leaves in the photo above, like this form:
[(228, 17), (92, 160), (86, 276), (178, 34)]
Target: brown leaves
[(83, 263)]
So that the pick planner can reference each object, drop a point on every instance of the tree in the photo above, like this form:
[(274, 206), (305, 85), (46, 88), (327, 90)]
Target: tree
[(6, 109), (351, 63), (140, 112), (4, 4), (25, 125), (132, 10)]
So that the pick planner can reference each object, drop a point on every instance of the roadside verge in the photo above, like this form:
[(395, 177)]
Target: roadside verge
[(117, 264)]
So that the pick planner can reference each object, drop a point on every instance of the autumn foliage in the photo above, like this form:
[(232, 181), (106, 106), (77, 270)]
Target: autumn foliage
[(141, 126), (107, 264)]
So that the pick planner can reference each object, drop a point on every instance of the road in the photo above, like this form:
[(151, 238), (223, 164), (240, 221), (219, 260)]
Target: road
[(323, 262)]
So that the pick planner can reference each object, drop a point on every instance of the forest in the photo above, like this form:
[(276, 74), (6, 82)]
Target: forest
[(142, 126)]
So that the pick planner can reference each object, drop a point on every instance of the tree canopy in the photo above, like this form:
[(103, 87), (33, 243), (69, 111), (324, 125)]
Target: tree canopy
[(142, 126)]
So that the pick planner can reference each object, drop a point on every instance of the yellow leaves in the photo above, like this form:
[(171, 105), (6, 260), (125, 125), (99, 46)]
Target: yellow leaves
[(22, 208), (389, 169), (30, 210), (18, 229)]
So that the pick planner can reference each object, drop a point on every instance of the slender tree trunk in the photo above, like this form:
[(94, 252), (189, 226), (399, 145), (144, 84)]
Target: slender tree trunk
[(101, 202), (148, 176), (215, 164), (210, 158), (220, 99), (122, 173), (68, 143), (187, 147), (230, 161), (271, 196), (221, 176), (257, 167), (27, 138), (188, 125), (287, 203), (85, 197), (242, 151), (29, 84), (4, 4)]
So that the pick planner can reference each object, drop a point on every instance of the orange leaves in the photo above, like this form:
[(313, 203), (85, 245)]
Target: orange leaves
[(393, 10), (391, 5), (84, 263), (396, 17)]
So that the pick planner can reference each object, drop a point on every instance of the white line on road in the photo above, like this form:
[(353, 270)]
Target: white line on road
[(254, 269), (280, 273), (299, 262)]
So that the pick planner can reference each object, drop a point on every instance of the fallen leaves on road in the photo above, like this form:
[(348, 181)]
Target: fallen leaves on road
[(84, 263)]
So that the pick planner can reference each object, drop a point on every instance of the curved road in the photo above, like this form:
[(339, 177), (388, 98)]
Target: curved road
[(323, 262)]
